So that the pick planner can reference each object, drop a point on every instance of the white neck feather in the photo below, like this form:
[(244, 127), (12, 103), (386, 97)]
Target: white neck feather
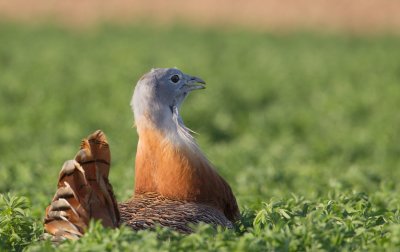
[(170, 124), (151, 113)]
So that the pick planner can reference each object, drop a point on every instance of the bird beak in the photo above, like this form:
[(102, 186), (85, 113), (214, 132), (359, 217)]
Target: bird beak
[(194, 83)]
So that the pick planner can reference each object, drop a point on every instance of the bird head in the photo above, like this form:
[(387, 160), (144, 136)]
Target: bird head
[(159, 94)]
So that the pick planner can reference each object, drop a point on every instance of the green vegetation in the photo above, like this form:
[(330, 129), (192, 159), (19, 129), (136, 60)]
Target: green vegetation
[(304, 126)]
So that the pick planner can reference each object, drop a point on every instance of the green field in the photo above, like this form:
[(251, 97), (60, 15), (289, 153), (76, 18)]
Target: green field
[(304, 126)]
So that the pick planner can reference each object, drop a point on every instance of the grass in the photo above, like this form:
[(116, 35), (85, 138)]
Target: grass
[(304, 126)]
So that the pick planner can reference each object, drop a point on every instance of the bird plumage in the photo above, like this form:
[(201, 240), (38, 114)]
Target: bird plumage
[(175, 184), (148, 209), (177, 173), (84, 191)]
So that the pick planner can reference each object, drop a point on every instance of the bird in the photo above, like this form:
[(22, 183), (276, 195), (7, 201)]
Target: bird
[(175, 184)]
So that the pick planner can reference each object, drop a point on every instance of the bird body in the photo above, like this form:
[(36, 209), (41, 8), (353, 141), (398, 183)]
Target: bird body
[(175, 184)]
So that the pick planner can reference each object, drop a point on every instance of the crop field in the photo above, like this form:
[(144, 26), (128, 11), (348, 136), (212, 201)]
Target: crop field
[(304, 126)]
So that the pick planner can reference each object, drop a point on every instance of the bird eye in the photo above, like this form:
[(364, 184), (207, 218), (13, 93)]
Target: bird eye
[(175, 78)]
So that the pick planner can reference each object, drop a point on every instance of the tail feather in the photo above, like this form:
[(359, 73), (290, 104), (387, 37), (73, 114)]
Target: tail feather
[(84, 191)]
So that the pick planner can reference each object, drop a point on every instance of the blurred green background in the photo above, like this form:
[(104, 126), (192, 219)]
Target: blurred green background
[(305, 112), (300, 112)]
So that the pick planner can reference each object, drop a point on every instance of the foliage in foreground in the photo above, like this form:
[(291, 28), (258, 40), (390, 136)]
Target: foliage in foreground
[(17, 228), (339, 222)]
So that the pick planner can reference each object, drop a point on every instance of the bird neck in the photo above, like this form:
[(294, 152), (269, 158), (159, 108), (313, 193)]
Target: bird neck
[(173, 170)]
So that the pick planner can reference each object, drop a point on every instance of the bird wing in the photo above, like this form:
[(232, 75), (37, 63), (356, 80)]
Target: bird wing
[(229, 204), (84, 191)]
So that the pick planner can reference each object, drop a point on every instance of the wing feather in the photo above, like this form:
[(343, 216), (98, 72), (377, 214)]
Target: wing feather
[(84, 191)]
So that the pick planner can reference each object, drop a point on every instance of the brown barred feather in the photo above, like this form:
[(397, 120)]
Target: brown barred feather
[(148, 209), (84, 191)]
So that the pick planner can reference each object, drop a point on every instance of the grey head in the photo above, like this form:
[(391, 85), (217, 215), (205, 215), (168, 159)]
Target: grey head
[(158, 96)]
